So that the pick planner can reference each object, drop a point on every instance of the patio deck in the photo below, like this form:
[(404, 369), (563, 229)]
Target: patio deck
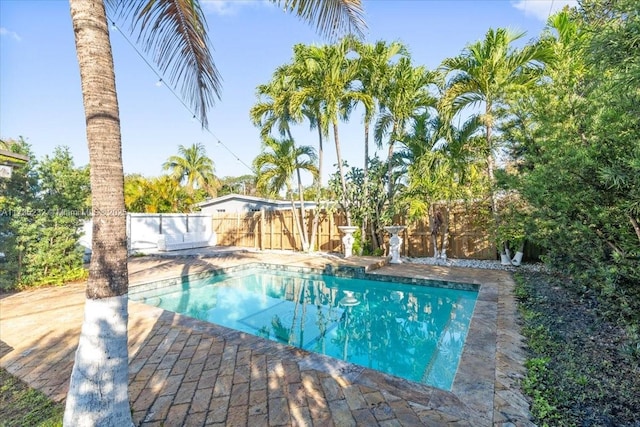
[(187, 372)]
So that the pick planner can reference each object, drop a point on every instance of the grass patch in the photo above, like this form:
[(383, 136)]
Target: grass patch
[(24, 406)]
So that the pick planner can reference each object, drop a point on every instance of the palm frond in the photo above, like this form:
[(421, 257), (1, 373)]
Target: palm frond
[(382, 127), (331, 17), (176, 31)]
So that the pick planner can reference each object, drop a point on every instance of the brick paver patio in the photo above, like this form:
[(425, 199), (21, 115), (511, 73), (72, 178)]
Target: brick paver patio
[(185, 372)]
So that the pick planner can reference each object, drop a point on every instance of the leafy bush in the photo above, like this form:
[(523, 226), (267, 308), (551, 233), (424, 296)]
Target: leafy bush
[(43, 207), (574, 142)]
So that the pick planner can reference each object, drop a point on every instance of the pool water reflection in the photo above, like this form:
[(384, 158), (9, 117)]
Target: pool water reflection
[(412, 331)]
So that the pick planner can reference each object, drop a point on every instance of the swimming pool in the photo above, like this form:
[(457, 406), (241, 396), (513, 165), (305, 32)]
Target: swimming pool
[(412, 330)]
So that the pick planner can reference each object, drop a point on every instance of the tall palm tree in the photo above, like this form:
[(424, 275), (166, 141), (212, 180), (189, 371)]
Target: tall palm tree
[(484, 75), (275, 169), (373, 71), (374, 64), (406, 96), (177, 31), (275, 110), (306, 99), (328, 75), (192, 167)]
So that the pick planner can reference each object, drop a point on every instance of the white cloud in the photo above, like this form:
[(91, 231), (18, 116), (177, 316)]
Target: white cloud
[(230, 7), (4, 32), (541, 9)]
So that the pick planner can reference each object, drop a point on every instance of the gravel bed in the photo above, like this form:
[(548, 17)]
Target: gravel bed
[(476, 263)]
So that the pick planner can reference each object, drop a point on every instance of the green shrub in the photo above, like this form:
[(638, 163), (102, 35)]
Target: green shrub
[(43, 206)]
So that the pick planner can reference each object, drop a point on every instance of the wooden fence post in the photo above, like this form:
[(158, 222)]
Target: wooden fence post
[(262, 228), (330, 216), (237, 227)]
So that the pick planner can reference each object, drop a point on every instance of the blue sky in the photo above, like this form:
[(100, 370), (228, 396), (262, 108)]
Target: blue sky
[(41, 100)]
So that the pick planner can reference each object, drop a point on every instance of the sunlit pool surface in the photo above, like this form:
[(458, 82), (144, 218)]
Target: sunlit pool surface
[(415, 332)]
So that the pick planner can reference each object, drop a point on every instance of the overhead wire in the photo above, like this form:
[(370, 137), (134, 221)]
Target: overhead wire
[(173, 92)]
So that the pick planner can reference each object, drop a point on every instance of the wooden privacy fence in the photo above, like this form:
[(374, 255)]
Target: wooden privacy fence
[(275, 229)]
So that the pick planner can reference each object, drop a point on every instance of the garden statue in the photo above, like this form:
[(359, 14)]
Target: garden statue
[(395, 242)]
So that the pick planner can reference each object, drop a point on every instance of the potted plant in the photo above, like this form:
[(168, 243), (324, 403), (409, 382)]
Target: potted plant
[(511, 233)]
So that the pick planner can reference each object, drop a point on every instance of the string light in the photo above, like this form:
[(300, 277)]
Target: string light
[(160, 83)]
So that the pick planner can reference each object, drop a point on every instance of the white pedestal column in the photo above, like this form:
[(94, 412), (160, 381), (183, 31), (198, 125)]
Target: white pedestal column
[(348, 239)]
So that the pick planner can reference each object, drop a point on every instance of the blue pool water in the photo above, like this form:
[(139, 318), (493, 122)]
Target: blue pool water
[(412, 331)]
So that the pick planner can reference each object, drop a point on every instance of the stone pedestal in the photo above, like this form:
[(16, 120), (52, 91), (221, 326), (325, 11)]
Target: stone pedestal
[(395, 242), (348, 239)]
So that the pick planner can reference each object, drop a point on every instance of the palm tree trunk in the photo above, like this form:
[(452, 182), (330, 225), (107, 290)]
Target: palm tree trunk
[(365, 183), (304, 233), (390, 165), (318, 185), (434, 232), (343, 180), (490, 174), (294, 212), (98, 390), (320, 154), (296, 301), (490, 159), (390, 172), (445, 233)]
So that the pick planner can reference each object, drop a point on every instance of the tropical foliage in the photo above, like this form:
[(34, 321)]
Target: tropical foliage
[(243, 184), (405, 97), (487, 75), (191, 180), (275, 168), (324, 84), (366, 199), (193, 168), (578, 149), (161, 194), (42, 209), (444, 166)]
